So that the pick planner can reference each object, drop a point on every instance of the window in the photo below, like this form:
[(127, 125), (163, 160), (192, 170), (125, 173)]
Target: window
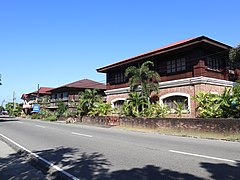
[(65, 95), (119, 78), (58, 95), (53, 96), (214, 63), (169, 101), (176, 65), (118, 104)]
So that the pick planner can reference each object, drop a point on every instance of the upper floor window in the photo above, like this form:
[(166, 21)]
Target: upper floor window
[(214, 62), (65, 95), (176, 65), (119, 77)]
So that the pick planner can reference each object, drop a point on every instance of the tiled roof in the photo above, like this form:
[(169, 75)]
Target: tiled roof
[(163, 49), (83, 84), (42, 90)]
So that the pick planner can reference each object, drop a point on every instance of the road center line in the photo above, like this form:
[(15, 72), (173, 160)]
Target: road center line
[(81, 134), (203, 156), (39, 157), (40, 126)]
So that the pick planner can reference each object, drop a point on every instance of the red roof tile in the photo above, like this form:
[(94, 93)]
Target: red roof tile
[(42, 90), (83, 84), (158, 50)]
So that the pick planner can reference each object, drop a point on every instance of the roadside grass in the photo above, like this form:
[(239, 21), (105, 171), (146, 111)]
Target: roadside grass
[(228, 136)]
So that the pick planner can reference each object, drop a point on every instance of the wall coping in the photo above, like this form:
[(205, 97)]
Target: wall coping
[(179, 82)]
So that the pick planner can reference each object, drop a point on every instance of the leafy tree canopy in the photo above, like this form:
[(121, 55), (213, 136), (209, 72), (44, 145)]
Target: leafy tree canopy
[(234, 56), (143, 76)]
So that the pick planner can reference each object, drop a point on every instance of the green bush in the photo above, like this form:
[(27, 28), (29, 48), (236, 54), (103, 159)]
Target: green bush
[(36, 116), (69, 113), (225, 105), (62, 107), (52, 117), (101, 109)]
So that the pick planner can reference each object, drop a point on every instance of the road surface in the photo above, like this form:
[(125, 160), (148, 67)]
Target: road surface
[(89, 152)]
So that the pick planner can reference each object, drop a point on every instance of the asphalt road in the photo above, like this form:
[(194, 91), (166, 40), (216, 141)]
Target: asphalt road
[(89, 152)]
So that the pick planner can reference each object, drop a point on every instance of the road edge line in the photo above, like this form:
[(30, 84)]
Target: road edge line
[(43, 162)]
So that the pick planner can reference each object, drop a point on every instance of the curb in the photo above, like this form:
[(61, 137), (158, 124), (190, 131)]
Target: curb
[(49, 169)]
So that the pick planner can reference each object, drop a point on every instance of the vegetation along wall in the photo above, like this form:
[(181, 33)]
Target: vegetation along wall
[(197, 124)]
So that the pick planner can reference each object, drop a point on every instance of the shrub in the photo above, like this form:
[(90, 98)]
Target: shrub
[(62, 107), (36, 116), (52, 117), (101, 109), (225, 105)]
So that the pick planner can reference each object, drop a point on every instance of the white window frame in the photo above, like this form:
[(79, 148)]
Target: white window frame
[(117, 99)]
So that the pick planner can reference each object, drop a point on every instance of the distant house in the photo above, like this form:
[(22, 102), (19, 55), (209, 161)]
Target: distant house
[(185, 67), (69, 93), (40, 96)]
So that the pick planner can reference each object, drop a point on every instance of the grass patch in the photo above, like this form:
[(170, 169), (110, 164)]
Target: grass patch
[(186, 133)]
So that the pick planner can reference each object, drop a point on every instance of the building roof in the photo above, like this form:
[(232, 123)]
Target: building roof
[(83, 84), (164, 49), (42, 90)]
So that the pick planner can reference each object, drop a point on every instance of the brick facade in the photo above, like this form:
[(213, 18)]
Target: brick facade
[(188, 91)]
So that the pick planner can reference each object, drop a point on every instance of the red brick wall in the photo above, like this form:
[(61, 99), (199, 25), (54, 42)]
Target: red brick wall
[(191, 90)]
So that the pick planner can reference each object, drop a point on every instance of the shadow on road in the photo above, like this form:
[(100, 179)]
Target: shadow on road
[(16, 167), (223, 171), (7, 119), (93, 166)]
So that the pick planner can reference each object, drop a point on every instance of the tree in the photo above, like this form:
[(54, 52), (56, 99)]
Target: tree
[(62, 107), (13, 112), (101, 109), (234, 56), (134, 104), (87, 99), (143, 76)]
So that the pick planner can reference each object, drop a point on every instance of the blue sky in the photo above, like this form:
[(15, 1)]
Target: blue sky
[(56, 42)]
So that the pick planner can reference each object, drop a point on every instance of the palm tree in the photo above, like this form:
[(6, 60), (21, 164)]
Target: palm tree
[(143, 76), (135, 103), (87, 99)]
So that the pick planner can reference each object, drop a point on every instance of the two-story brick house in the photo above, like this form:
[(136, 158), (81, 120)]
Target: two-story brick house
[(68, 93), (185, 67), (40, 96)]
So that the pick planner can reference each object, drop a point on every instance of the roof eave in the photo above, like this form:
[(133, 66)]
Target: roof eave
[(165, 50)]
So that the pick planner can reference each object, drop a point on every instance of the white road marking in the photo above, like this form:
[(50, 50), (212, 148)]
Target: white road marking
[(42, 159), (19, 122), (81, 134), (40, 126), (203, 156)]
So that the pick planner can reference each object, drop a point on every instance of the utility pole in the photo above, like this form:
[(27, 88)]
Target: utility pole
[(38, 91), (0, 79), (14, 100)]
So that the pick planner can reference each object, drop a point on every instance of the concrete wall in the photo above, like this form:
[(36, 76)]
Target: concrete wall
[(195, 124)]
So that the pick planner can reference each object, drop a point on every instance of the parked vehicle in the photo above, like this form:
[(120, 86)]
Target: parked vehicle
[(3, 112)]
